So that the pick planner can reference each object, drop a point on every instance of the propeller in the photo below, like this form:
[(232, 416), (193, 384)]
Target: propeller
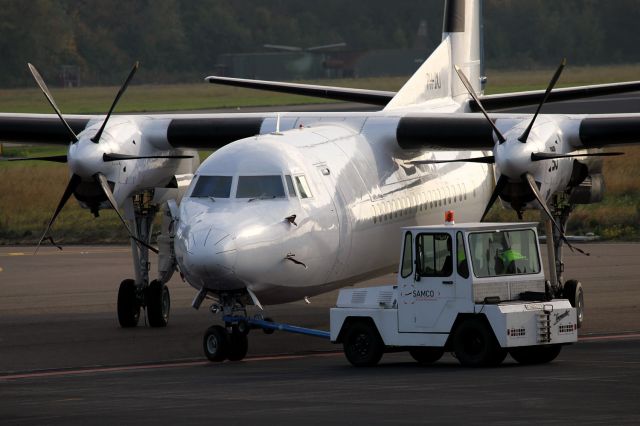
[(69, 190), (529, 180), (472, 92), (96, 138), (500, 185), (100, 179), (489, 159), (106, 189), (118, 157), (552, 83), (47, 94), (540, 156)]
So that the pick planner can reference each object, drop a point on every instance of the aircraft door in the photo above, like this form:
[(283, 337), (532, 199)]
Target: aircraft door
[(427, 293)]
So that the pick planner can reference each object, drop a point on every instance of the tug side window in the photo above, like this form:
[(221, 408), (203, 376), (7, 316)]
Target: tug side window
[(407, 258), (434, 255), (461, 257)]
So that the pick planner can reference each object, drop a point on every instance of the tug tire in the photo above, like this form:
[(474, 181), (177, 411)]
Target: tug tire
[(363, 346)]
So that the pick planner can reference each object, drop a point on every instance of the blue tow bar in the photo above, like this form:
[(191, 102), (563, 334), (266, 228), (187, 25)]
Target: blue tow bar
[(268, 325)]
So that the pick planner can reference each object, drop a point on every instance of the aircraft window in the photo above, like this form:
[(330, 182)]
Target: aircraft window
[(303, 187), (212, 186), (260, 187), (292, 190)]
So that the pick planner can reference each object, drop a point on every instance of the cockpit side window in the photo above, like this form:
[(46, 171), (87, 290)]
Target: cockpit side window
[(260, 187), (212, 186), (303, 187), (292, 190)]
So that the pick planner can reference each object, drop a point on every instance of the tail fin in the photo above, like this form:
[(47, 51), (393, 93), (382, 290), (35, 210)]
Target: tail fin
[(461, 45)]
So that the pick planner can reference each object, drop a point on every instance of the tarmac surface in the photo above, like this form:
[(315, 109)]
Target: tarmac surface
[(64, 359)]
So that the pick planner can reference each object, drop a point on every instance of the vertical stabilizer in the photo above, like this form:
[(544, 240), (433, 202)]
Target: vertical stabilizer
[(436, 78)]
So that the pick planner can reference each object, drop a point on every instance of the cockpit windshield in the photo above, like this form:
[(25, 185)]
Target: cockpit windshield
[(212, 186), (504, 253), (260, 187)]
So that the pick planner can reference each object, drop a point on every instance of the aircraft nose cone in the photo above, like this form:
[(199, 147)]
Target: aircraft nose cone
[(211, 253)]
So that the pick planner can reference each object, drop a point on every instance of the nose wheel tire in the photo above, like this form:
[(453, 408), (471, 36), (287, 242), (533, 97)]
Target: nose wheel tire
[(475, 345), (158, 304), (238, 345), (572, 291), (363, 346), (216, 343), (128, 304)]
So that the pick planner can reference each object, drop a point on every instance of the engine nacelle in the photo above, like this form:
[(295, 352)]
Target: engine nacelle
[(590, 190)]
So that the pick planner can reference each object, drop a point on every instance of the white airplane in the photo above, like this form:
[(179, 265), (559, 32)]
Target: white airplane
[(296, 204)]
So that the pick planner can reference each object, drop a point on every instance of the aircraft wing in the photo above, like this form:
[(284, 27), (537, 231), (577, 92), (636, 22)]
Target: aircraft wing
[(473, 131), (210, 131), (364, 96), (39, 128), (496, 102), (506, 101)]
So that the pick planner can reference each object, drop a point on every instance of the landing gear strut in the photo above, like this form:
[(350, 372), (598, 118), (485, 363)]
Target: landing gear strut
[(571, 289), (139, 292)]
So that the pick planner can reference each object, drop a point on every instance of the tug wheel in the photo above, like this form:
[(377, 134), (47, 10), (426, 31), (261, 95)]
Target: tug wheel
[(535, 354), (475, 345), (363, 346), (128, 305), (216, 343), (572, 291), (426, 356)]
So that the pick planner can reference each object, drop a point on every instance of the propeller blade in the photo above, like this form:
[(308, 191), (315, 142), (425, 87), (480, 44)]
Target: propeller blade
[(104, 184), (96, 137), (118, 157), (69, 190), (540, 156), (472, 92), (502, 182), (489, 159), (47, 94), (552, 83), (528, 179), (54, 158)]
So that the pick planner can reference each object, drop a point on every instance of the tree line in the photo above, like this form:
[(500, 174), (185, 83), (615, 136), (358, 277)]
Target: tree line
[(179, 40)]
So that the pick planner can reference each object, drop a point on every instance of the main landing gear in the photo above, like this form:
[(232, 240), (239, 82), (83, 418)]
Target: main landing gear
[(138, 293), (570, 289)]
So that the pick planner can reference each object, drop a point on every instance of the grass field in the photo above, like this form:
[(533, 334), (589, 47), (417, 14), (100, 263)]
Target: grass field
[(30, 191)]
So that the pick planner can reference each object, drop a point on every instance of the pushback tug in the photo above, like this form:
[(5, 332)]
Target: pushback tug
[(475, 289)]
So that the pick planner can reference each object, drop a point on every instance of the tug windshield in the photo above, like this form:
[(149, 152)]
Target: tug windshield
[(497, 253)]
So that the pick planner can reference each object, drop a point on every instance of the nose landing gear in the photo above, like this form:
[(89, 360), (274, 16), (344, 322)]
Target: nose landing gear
[(231, 341)]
